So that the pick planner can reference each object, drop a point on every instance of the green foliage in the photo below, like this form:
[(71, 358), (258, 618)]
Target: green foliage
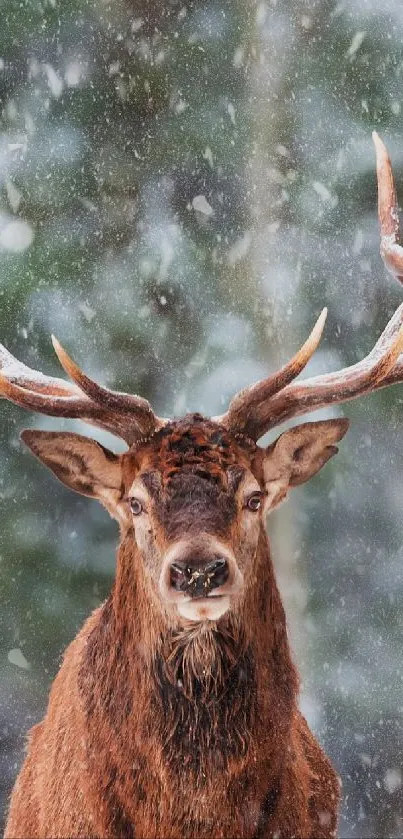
[(114, 119)]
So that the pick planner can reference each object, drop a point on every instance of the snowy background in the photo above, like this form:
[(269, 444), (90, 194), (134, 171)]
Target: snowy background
[(183, 187)]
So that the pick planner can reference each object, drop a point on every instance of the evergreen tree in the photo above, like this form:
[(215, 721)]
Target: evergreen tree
[(183, 187)]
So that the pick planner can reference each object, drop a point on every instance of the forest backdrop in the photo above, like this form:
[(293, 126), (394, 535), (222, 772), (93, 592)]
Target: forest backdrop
[(183, 187)]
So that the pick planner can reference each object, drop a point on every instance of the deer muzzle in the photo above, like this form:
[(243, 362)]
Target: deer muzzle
[(200, 576)]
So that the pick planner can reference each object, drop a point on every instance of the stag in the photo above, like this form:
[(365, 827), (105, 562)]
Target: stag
[(175, 711)]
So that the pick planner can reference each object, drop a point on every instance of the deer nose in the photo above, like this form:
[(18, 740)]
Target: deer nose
[(198, 579)]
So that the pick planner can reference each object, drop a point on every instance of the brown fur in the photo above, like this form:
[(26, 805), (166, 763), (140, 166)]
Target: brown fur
[(169, 729)]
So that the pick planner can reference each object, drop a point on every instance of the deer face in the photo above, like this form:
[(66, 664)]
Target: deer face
[(196, 510), (193, 499)]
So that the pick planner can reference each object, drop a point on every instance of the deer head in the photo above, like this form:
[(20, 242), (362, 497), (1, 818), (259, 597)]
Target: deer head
[(192, 494)]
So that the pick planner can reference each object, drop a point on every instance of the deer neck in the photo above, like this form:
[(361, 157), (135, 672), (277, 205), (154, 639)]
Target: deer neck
[(184, 707), (247, 647), (188, 715), (135, 651)]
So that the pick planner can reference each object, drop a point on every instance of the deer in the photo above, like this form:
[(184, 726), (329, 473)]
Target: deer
[(175, 712)]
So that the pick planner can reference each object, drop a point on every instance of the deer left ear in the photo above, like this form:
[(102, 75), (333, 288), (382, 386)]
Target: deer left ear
[(80, 463), (298, 454)]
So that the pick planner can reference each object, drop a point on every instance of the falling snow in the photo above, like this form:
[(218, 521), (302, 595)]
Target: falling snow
[(181, 194), (201, 205)]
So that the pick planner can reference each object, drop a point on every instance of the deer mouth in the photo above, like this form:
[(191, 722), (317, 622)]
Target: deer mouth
[(212, 607)]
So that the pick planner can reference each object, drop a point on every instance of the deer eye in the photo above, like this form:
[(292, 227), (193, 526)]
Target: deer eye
[(254, 501), (136, 506)]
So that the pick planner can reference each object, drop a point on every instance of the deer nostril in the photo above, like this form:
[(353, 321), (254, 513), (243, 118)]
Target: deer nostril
[(179, 577), (216, 565), (217, 572)]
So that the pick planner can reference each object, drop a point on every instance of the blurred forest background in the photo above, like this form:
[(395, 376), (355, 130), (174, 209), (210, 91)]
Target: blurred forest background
[(183, 186)]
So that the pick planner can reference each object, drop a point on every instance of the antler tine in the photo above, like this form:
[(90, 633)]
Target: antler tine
[(121, 402), (46, 402), (71, 407), (245, 403), (16, 371), (391, 250), (127, 417)]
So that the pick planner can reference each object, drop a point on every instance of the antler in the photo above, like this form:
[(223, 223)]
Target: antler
[(126, 416), (254, 410), (274, 400)]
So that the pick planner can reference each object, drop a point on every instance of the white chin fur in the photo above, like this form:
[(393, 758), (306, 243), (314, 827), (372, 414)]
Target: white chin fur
[(204, 608)]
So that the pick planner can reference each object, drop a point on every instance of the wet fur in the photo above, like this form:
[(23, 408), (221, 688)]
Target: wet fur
[(206, 692), (160, 729)]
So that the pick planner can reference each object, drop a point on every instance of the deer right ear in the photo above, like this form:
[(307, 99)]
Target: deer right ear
[(80, 463), (298, 454)]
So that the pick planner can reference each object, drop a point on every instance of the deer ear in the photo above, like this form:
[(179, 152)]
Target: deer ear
[(80, 463), (298, 454)]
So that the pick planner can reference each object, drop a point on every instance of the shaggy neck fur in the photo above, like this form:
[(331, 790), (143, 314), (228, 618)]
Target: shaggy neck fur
[(205, 694), (186, 707)]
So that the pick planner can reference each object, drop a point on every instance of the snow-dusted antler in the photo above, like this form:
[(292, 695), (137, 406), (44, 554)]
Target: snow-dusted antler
[(126, 416), (271, 401)]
